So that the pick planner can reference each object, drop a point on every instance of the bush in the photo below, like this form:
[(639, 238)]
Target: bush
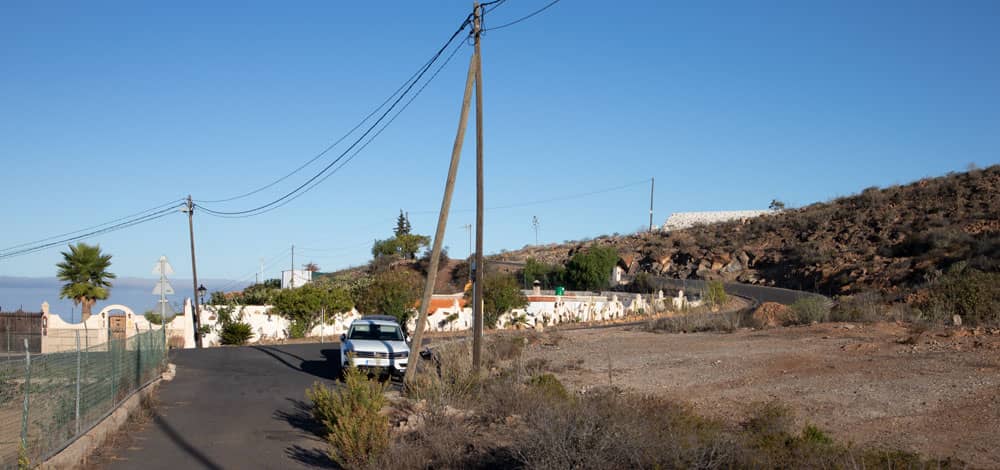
[(811, 309), (727, 322), (393, 292), (974, 295), (715, 295), (357, 432), (549, 386), (299, 328), (591, 269), (863, 307), (236, 333), (501, 294)]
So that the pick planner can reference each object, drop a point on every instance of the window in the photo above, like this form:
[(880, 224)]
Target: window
[(372, 331)]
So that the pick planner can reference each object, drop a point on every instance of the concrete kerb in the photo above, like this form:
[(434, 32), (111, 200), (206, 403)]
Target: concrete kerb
[(75, 455)]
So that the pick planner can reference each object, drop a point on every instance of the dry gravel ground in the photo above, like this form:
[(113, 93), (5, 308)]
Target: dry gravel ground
[(935, 392)]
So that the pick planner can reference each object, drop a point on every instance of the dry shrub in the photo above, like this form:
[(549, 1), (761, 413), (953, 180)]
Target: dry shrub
[(864, 307), (608, 430), (771, 314), (727, 322), (443, 440), (356, 430)]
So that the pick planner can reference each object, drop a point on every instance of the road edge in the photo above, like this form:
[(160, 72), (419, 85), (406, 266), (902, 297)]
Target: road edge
[(75, 454)]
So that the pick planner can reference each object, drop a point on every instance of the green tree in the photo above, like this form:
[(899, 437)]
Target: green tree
[(548, 275), (405, 245), (591, 269), (501, 294), (303, 305), (402, 224), (84, 270), (394, 292)]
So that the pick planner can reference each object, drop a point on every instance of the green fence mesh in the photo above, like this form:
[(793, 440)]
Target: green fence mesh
[(47, 400)]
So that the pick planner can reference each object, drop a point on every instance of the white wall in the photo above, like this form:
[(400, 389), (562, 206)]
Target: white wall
[(681, 220)]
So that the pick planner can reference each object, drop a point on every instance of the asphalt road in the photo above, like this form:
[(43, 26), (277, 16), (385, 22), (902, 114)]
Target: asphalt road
[(235, 408)]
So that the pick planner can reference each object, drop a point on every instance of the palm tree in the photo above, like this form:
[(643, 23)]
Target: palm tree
[(85, 271)]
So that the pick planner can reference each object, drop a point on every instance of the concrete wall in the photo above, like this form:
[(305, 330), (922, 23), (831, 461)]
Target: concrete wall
[(60, 335)]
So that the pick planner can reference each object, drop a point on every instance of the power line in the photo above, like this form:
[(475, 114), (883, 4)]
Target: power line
[(171, 203), (329, 147), (122, 225), (356, 142), (512, 23), (357, 151)]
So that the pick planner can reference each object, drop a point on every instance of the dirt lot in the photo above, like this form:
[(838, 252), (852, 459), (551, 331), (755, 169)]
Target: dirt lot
[(936, 393)]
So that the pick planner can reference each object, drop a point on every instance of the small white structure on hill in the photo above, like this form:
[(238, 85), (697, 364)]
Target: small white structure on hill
[(296, 278), (682, 220)]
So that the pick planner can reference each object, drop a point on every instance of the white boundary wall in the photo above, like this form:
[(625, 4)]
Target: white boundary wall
[(682, 220)]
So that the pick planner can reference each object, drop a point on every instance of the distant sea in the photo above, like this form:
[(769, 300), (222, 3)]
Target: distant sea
[(28, 293)]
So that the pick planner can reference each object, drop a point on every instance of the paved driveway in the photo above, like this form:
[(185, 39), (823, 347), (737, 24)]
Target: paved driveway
[(235, 408)]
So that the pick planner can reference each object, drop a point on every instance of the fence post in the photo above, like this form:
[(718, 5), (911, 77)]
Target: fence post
[(27, 396), (111, 355), (78, 354), (138, 355)]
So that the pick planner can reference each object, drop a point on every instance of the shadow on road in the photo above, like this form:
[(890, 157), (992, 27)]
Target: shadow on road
[(329, 368), (186, 446)]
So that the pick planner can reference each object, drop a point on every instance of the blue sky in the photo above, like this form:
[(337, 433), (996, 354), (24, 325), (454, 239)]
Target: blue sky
[(109, 108)]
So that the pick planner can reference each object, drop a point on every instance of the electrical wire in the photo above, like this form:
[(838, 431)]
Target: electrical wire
[(171, 203), (356, 142), (246, 278), (329, 147), (122, 225), (512, 23), (356, 152)]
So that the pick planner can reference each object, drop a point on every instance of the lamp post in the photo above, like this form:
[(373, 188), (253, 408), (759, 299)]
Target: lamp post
[(201, 294)]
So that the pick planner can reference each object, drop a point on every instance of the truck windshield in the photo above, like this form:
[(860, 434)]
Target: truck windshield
[(376, 332)]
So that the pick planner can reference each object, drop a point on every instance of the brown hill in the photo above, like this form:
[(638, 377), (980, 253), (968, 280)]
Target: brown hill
[(881, 239)]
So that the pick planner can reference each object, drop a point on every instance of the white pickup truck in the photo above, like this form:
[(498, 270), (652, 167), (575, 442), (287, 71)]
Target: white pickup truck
[(377, 342)]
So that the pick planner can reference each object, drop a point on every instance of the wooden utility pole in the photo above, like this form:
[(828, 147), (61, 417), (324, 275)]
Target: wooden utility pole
[(194, 275), (652, 181), (291, 275), (449, 186), (477, 287)]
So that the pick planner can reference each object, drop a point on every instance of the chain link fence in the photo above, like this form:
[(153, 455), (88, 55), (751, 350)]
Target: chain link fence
[(48, 400)]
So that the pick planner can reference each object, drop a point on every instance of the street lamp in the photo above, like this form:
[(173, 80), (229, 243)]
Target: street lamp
[(201, 294)]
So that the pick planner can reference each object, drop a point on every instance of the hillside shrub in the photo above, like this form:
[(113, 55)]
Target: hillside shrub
[(972, 294), (811, 309)]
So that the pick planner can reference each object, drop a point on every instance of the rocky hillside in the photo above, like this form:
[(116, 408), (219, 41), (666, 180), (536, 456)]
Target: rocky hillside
[(881, 239)]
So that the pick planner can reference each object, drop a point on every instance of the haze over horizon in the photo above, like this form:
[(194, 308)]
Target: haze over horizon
[(727, 107)]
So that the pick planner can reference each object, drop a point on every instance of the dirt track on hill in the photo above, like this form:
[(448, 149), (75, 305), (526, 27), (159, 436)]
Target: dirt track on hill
[(936, 393)]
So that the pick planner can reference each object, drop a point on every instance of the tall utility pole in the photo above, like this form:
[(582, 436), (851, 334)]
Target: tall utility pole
[(449, 186), (194, 275), (535, 224), (652, 181), (477, 339), (291, 275)]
